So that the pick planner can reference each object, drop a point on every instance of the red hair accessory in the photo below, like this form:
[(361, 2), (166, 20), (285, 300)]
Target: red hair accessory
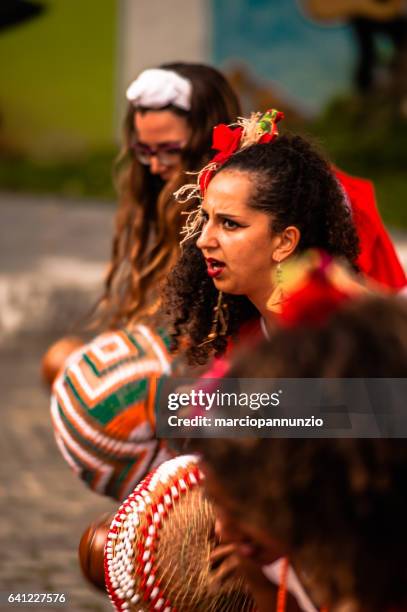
[(227, 140), (268, 123), (260, 128)]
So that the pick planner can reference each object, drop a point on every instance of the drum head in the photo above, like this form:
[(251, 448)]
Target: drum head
[(157, 554)]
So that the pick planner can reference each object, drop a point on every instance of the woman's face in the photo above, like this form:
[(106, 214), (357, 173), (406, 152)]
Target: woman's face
[(233, 525), (161, 135), (236, 240)]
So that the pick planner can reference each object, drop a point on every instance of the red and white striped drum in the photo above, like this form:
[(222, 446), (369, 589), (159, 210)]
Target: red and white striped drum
[(157, 554)]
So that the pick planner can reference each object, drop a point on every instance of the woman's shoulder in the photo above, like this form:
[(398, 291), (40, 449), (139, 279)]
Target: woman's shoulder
[(114, 369), (102, 404), (112, 350)]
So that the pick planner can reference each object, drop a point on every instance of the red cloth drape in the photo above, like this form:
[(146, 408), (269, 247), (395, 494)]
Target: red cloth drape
[(378, 258)]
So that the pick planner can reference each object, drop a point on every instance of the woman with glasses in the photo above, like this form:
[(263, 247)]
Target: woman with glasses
[(101, 404), (167, 132)]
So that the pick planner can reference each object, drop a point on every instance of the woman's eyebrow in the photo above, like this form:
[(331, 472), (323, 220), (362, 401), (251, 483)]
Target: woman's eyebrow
[(164, 143), (219, 213), (226, 214)]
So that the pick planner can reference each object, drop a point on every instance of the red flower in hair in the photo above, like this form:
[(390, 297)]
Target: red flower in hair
[(225, 140), (267, 138)]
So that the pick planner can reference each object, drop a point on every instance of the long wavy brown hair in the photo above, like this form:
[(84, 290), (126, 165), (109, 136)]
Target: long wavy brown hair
[(148, 221)]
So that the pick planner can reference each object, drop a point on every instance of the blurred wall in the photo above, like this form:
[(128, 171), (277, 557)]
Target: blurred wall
[(279, 45), (57, 87), (152, 32)]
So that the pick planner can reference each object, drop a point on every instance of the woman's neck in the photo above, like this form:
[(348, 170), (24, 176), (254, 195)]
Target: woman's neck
[(267, 316)]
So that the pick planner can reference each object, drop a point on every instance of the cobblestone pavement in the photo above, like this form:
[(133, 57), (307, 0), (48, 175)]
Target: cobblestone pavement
[(52, 256), (51, 259), (44, 507)]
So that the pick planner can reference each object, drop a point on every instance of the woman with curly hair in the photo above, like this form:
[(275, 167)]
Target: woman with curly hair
[(261, 205)]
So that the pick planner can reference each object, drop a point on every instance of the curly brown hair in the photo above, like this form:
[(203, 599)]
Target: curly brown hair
[(339, 506), (294, 184), (148, 220)]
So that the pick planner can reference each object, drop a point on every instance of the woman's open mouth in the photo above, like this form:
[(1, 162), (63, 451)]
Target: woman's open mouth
[(215, 267)]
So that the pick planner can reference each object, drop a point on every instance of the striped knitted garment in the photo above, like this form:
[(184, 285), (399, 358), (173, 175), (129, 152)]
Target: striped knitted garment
[(102, 409)]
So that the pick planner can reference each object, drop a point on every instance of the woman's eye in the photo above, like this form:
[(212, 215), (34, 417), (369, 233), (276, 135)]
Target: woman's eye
[(203, 216), (229, 224)]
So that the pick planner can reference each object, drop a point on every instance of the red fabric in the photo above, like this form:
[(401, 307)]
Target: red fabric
[(226, 141), (313, 303), (378, 258)]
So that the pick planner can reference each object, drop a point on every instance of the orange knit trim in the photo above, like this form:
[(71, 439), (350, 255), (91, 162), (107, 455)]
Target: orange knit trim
[(150, 400), (126, 421), (132, 473)]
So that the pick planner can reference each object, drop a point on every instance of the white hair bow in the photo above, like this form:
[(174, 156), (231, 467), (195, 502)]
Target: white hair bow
[(157, 88)]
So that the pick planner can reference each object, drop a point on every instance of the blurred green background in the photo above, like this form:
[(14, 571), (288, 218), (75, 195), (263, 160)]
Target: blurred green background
[(57, 99), (369, 139)]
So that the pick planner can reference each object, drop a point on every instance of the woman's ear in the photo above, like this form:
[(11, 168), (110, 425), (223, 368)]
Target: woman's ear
[(287, 244)]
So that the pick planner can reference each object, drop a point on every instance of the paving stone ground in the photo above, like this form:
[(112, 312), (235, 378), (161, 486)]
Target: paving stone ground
[(52, 257), (44, 508)]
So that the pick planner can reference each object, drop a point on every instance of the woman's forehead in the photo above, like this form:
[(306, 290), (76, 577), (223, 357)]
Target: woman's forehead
[(160, 126), (229, 188), (231, 192)]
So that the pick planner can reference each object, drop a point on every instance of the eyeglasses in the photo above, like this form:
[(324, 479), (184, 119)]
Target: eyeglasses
[(167, 154)]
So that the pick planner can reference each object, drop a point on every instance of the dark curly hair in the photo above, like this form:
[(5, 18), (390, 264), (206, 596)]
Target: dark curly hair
[(339, 506), (295, 185)]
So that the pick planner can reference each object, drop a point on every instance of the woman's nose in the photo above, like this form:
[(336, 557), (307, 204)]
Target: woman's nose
[(155, 166), (208, 238)]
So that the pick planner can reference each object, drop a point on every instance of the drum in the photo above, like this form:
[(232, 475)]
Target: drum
[(157, 554)]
